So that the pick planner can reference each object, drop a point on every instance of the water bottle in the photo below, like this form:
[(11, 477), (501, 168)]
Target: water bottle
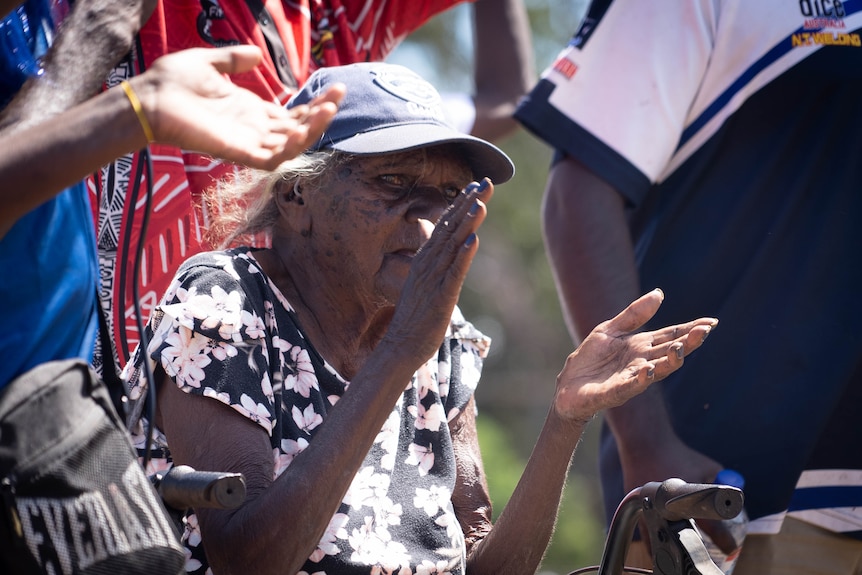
[(738, 526)]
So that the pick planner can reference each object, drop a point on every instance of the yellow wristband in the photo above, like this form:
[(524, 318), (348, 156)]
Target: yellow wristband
[(139, 111)]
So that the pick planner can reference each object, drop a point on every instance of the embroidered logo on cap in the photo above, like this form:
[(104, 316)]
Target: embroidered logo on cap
[(421, 97)]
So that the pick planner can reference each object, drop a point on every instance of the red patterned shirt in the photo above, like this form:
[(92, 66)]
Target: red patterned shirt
[(296, 37)]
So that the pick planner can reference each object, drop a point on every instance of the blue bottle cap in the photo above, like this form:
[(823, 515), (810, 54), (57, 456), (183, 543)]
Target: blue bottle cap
[(730, 477)]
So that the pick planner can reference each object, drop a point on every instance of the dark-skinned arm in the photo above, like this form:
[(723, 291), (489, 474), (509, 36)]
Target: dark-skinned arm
[(613, 364), (188, 102), (95, 35), (611, 367), (503, 65), (590, 248), (281, 521)]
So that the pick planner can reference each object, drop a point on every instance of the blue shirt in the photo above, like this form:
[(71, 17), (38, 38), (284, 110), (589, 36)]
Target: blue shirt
[(48, 258), (49, 283)]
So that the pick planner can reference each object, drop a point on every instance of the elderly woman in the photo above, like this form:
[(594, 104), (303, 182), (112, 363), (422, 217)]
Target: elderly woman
[(335, 371)]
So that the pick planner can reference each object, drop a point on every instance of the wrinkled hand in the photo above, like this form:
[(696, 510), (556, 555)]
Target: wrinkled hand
[(437, 273), (191, 103), (614, 363)]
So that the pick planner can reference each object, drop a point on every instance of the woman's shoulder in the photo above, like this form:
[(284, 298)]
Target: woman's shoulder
[(234, 269), (468, 334), (213, 291), (228, 260)]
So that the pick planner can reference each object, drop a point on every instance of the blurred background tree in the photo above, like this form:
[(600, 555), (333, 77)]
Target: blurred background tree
[(510, 293)]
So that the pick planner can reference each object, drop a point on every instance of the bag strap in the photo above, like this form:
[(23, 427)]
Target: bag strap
[(273, 42), (110, 374)]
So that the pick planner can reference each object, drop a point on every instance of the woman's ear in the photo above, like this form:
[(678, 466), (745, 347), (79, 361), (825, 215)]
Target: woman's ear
[(291, 206), (287, 192)]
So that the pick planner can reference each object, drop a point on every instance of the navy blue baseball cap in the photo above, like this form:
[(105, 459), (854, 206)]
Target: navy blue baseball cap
[(389, 108)]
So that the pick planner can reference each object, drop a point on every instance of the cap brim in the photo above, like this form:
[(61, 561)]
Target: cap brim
[(485, 159)]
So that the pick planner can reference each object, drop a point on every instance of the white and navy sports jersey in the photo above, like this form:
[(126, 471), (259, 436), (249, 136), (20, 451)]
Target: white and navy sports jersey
[(734, 130)]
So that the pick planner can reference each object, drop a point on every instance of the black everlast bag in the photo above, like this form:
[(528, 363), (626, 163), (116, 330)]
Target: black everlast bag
[(75, 499)]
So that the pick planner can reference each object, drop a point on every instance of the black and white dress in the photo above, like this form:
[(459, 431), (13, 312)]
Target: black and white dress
[(223, 330)]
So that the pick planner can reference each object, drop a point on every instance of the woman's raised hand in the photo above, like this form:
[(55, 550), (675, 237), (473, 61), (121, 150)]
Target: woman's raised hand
[(614, 363), (438, 272)]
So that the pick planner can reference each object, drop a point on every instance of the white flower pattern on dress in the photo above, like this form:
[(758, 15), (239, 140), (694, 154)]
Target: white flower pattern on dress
[(185, 357), (303, 380), (429, 418), (367, 487), (307, 419), (388, 440), (225, 332), (422, 456), (431, 568), (450, 522), (327, 544), (220, 309), (387, 512), (372, 544), (433, 499), (289, 450), (256, 412)]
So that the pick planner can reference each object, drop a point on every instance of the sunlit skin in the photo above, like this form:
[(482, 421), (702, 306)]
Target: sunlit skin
[(186, 99), (379, 212)]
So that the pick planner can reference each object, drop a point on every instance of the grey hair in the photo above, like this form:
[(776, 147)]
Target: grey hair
[(243, 209)]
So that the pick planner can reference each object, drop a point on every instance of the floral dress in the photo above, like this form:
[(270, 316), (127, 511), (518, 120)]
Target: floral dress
[(225, 331)]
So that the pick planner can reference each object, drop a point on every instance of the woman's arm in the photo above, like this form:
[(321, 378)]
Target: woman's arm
[(591, 252), (94, 36), (612, 365), (504, 68), (470, 497), (282, 520), (187, 101)]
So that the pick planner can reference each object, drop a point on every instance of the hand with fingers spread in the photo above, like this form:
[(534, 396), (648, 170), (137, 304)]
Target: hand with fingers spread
[(184, 99), (190, 102), (616, 362)]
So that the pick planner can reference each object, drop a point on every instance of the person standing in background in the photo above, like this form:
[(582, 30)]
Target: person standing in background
[(62, 443), (296, 38), (55, 132), (50, 288), (731, 135)]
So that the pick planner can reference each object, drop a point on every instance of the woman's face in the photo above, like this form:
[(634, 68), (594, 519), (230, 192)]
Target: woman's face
[(372, 214)]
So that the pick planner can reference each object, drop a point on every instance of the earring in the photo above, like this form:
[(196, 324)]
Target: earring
[(295, 195)]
